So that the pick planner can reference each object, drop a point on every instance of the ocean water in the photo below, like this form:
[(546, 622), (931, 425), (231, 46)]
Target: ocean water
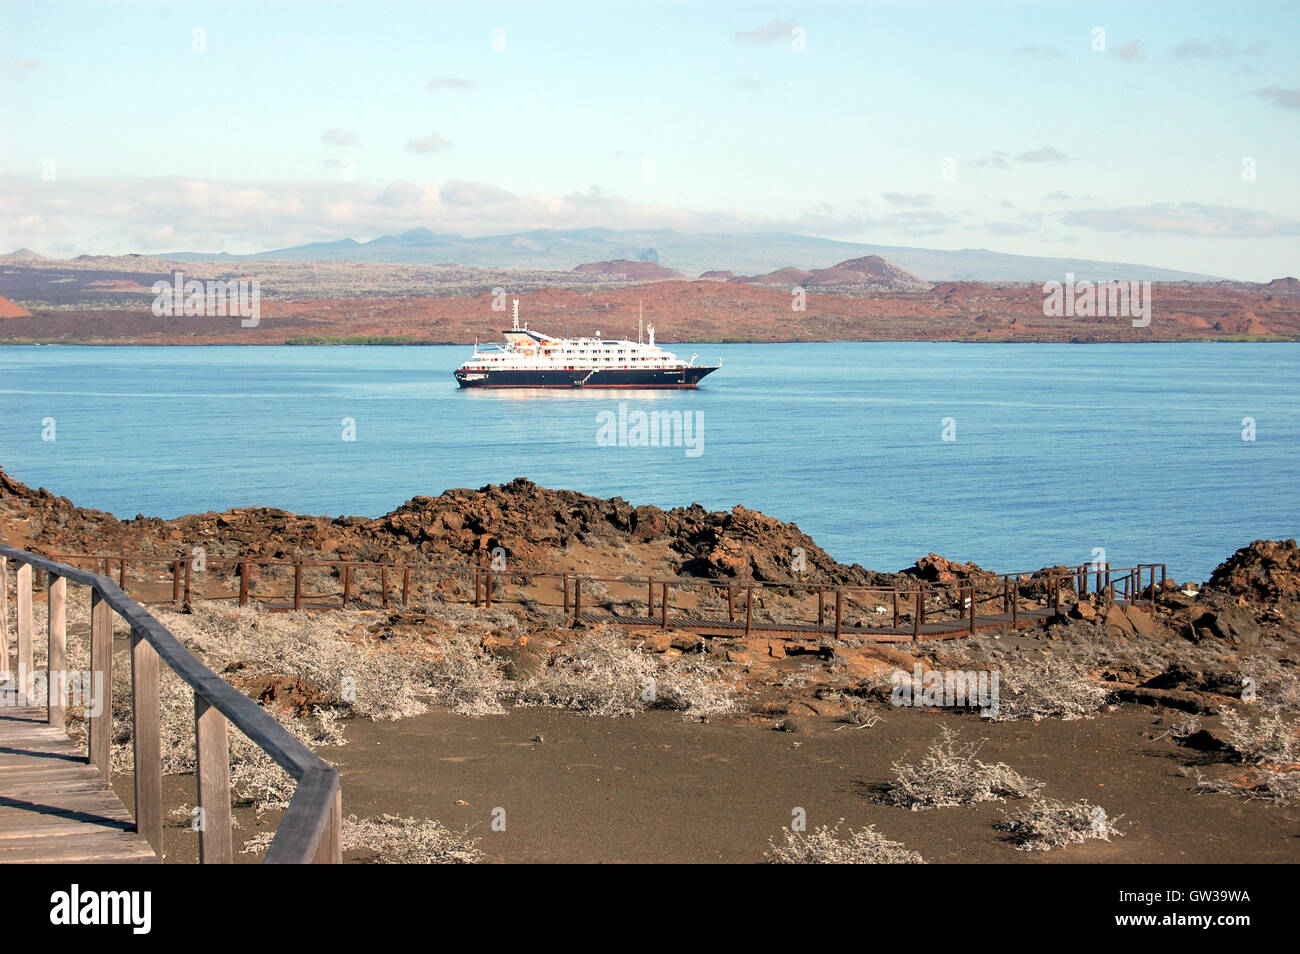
[(1057, 450)]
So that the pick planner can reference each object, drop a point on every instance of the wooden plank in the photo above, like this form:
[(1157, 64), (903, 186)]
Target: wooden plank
[(101, 669), (212, 748), (56, 806), (4, 615), (56, 665), (146, 741), (23, 604), (329, 850)]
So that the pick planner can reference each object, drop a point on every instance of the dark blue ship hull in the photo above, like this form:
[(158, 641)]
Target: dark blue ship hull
[(604, 378)]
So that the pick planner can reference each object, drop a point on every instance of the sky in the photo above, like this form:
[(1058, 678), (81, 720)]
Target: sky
[(1166, 134)]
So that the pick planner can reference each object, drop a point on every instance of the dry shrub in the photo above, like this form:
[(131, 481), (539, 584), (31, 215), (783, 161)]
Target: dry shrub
[(824, 846), (1040, 688), (1262, 782), (330, 652), (467, 679), (1270, 738), (1277, 687), (409, 841), (603, 674), (1047, 823), (949, 775)]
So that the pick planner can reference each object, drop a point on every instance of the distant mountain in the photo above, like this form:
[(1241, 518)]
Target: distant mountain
[(753, 253), (871, 271), (23, 255), (636, 271)]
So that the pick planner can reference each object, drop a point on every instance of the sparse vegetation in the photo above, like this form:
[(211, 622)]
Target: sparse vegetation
[(950, 775), (1047, 823), (410, 841), (824, 846), (1046, 687), (352, 340)]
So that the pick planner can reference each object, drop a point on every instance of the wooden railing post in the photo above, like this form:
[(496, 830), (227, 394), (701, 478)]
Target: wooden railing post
[(23, 604), (821, 608), (839, 611), (916, 616), (188, 564), (4, 615), (406, 585), (1056, 593), (347, 585), (1006, 595), (478, 574), (176, 581), (663, 608), (972, 608), (243, 582), (488, 574), (564, 584), (146, 741), (731, 603), (920, 604), (330, 849), (1015, 605), (56, 657), (650, 597), (577, 599), (297, 585), (895, 593), (749, 609), (121, 574), (212, 748), (101, 681)]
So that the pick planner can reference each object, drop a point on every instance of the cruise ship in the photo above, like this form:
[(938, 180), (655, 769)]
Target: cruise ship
[(530, 359)]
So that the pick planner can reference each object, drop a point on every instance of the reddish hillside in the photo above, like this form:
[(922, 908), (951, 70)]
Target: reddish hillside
[(871, 272), (635, 271), (10, 310)]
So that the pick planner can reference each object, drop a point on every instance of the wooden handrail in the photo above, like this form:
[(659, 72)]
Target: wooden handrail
[(310, 829)]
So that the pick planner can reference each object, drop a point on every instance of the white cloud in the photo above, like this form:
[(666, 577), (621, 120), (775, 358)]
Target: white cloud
[(1186, 218), (340, 137), (1282, 98), (425, 144), (767, 33), (456, 83)]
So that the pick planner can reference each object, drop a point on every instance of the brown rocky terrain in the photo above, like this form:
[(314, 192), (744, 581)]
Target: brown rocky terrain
[(1251, 600), (99, 301), (1141, 710)]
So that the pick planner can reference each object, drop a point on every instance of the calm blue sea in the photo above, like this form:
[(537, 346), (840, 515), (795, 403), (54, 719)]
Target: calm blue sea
[(1058, 450)]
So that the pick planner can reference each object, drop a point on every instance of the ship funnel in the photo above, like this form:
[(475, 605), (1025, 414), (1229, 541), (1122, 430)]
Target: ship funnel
[(650, 329), (515, 327)]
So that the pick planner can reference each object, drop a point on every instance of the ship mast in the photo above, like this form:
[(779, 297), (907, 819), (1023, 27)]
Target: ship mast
[(640, 321)]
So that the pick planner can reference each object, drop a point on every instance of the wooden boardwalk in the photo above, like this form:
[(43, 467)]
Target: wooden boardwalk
[(936, 629), (54, 805)]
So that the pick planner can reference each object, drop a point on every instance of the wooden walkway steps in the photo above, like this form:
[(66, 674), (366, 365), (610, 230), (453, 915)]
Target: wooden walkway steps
[(57, 804), (54, 805)]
